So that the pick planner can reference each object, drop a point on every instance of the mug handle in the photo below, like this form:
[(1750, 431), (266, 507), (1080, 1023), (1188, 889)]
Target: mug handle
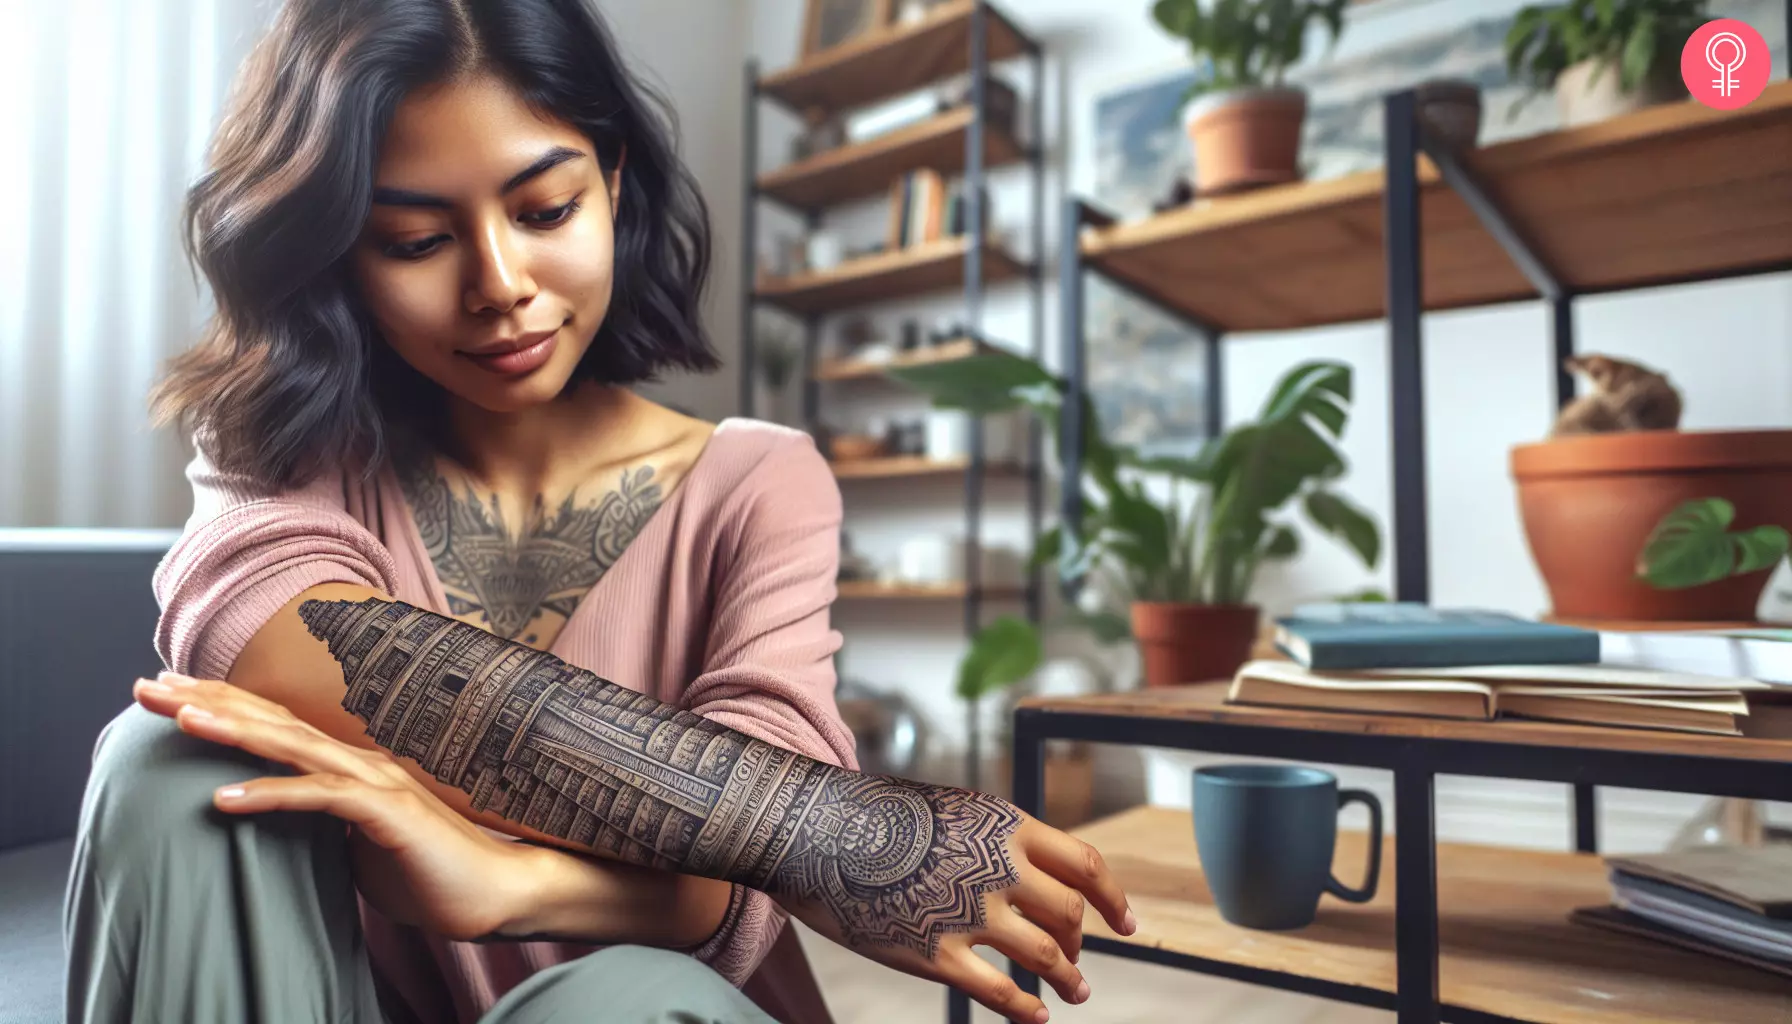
[(1367, 892)]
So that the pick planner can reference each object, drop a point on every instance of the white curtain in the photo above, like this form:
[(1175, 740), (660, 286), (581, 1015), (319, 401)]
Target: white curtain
[(106, 107)]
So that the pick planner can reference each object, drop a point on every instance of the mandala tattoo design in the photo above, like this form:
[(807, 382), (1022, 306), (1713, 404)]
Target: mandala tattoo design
[(563, 751), (547, 566)]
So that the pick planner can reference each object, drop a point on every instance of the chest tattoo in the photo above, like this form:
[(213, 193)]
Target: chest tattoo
[(511, 577)]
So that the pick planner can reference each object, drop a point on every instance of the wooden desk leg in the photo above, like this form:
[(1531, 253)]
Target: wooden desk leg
[(1029, 796), (1415, 894)]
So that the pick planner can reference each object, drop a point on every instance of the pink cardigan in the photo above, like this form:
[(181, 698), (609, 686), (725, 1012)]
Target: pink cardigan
[(720, 605)]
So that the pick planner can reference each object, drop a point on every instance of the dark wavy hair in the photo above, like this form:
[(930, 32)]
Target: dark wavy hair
[(290, 377)]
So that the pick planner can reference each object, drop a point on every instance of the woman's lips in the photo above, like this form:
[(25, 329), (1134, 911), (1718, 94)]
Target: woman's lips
[(531, 356)]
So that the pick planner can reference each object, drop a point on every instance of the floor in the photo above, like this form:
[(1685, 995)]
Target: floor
[(859, 991)]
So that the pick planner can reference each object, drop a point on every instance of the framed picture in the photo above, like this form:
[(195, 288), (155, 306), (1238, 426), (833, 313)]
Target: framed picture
[(829, 23)]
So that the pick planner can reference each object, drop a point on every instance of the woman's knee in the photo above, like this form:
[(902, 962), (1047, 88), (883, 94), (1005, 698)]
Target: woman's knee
[(638, 984), (150, 783)]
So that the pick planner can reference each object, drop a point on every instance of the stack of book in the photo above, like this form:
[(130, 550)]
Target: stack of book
[(1732, 902), (1416, 660), (925, 208)]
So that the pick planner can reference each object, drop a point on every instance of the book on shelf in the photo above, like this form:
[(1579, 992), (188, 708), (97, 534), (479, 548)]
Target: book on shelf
[(1731, 902), (1761, 653), (925, 208), (1582, 694), (1360, 635)]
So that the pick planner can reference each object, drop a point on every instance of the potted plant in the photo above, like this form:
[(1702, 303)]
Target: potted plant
[(1001, 655), (1603, 57), (778, 356), (1244, 121), (1183, 550), (1635, 526)]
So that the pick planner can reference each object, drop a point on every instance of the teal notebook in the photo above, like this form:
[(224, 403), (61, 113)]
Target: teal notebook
[(1370, 635)]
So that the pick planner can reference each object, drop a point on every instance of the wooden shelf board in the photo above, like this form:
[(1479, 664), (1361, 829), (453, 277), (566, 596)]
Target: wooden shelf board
[(1673, 193), (883, 467), (873, 590), (891, 61), (866, 169), (854, 369), (885, 276), (1206, 702), (1506, 945)]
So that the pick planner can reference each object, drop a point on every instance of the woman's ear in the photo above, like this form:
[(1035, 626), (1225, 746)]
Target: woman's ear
[(613, 181)]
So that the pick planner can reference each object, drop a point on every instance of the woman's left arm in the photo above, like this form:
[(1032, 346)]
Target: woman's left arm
[(768, 658)]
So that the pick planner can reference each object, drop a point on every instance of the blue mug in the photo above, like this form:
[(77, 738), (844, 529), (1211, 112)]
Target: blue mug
[(1266, 834)]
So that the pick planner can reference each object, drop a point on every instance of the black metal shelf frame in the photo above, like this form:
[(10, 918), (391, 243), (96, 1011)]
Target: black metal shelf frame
[(975, 183), (1415, 762)]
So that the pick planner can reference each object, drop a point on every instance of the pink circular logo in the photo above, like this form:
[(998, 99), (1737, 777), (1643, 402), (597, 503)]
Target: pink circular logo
[(1725, 64)]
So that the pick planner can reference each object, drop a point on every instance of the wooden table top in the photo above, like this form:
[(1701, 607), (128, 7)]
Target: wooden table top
[(1768, 729)]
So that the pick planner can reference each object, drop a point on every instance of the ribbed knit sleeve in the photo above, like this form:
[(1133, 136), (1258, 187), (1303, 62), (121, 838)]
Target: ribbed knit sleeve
[(768, 661), (245, 554)]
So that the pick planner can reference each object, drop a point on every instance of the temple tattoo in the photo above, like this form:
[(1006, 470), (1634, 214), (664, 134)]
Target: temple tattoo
[(547, 566), (568, 753)]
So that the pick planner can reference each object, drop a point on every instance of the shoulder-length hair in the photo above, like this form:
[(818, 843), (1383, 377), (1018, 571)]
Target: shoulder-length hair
[(290, 377)]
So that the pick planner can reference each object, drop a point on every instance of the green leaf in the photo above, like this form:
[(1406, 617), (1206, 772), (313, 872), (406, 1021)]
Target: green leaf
[(1001, 654), (1639, 53), (1334, 514), (1050, 546), (1283, 543), (1691, 546), (981, 384)]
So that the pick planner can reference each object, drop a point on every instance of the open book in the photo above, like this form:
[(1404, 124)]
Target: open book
[(1588, 694)]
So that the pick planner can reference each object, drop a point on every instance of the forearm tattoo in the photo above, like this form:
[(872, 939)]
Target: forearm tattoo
[(563, 751)]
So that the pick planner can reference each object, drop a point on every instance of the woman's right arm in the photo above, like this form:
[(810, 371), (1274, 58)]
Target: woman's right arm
[(229, 591)]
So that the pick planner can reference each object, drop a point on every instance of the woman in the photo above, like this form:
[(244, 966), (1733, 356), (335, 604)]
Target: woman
[(560, 657)]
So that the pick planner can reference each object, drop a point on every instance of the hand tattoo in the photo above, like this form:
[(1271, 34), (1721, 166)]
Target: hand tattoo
[(548, 565), (568, 753)]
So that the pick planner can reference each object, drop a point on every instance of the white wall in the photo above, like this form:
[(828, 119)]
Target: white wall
[(1487, 374), (691, 51)]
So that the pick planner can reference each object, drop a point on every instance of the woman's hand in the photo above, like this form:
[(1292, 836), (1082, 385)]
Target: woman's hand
[(914, 875), (415, 859)]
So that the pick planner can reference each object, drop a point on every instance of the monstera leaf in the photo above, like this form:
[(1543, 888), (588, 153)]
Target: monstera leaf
[(1693, 545), (1002, 654)]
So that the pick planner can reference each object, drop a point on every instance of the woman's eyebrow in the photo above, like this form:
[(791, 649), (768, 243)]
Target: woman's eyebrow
[(543, 163)]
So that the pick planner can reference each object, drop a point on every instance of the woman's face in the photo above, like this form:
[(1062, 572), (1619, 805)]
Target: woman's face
[(486, 260)]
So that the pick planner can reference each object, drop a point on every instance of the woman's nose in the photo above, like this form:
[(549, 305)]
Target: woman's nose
[(499, 277)]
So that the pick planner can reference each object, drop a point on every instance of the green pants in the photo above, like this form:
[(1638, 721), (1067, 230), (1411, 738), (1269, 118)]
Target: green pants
[(181, 914)]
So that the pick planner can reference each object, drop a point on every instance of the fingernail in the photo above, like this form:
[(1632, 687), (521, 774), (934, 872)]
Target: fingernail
[(176, 679), (1042, 1016), (195, 711), (232, 793), (1082, 991), (159, 689), (1130, 925)]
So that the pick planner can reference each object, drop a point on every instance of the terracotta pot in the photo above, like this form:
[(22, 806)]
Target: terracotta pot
[(1580, 100), (1192, 643), (1451, 107), (1589, 504), (1245, 138)]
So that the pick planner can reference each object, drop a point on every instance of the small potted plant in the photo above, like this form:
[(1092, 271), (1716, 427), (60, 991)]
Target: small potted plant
[(1603, 57), (1243, 120), (1184, 557), (778, 355)]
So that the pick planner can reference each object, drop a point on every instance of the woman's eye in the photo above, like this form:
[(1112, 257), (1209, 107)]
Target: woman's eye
[(557, 215), (413, 250)]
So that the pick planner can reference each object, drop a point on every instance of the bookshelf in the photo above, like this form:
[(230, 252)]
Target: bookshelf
[(964, 143)]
